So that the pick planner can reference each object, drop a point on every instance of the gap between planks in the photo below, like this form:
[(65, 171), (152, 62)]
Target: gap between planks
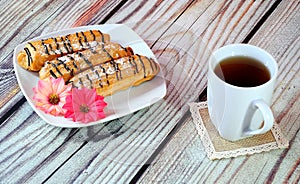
[(187, 113), (202, 97)]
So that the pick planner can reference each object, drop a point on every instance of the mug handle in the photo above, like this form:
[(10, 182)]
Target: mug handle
[(267, 116)]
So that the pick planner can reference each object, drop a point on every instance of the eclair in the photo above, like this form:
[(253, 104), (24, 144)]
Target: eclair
[(36, 53), (71, 64), (115, 75)]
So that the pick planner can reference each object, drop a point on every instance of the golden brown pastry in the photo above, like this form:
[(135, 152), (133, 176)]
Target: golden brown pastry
[(69, 65), (112, 76), (36, 53)]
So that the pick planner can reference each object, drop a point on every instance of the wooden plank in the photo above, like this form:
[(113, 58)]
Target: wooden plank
[(20, 20), (183, 160), (38, 164), (20, 152), (116, 150), (142, 132)]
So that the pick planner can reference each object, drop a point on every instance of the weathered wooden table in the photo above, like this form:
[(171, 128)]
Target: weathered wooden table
[(158, 144)]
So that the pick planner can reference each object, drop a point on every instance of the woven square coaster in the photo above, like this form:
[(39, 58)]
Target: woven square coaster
[(217, 148)]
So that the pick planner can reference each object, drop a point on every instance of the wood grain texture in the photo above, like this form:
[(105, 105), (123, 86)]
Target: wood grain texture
[(56, 164), (125, 153), (53, 154), (178, 32), (18, 24), (279, 35)]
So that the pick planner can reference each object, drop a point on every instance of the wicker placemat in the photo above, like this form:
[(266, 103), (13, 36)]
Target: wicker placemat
[(218, 148)]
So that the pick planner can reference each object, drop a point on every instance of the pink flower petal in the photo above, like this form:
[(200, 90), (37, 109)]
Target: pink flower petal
[(58, 85), (86, 97), (77, 97), (101, 115), (80, 117), (47, 87), (90, 117), (43, 88)]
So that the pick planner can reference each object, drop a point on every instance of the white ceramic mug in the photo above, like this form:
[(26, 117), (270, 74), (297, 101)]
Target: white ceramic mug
[(240, 112)]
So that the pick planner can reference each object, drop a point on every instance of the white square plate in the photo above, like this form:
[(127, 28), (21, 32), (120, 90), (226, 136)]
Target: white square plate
[(119, 104)]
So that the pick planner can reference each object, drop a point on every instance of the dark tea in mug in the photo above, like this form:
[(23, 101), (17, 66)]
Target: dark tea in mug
[(242, 71)]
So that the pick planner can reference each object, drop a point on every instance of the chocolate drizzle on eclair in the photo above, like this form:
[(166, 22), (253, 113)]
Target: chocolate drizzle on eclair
[(29, 58), (69, 44), (101, 35), (143, 65), (32, 46), (45, 47), (85, 59), (112, 71), (94, 36)]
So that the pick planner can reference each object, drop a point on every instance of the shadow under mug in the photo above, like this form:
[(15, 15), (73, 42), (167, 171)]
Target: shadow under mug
[(240, 112)]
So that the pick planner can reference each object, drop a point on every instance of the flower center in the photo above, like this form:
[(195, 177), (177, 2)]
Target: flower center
[(54, 99), (84, 108)]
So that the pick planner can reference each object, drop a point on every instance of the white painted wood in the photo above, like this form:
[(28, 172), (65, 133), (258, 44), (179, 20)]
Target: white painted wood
[(32, 151), (279, 35)]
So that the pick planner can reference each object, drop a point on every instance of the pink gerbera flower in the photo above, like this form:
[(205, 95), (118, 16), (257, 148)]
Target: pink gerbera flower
[(50, 95), (84, 105)]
